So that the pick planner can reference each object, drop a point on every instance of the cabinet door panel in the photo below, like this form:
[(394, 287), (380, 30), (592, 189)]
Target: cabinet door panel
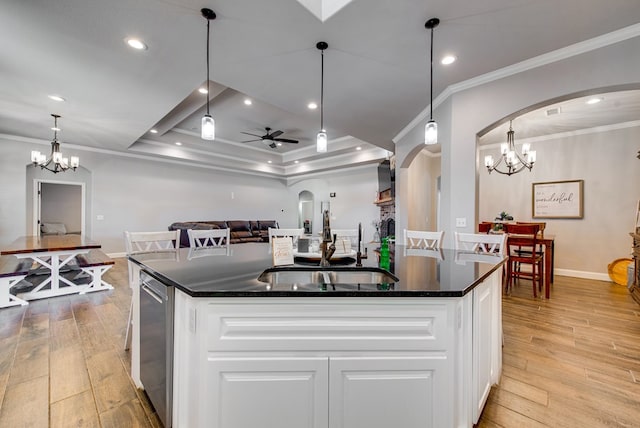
[(383, 392), (267, 392), (482, 340)]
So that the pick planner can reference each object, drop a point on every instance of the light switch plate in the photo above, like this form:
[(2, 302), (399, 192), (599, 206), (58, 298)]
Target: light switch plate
[(461, 222)]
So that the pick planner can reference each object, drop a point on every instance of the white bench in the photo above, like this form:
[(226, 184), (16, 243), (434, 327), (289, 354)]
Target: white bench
[(95, 263), (12, 271)]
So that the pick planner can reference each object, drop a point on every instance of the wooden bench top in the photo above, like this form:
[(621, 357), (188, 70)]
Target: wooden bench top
[(94, 258), (13, 266)]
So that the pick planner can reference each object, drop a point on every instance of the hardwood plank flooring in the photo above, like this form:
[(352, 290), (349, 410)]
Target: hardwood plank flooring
[(572, 361)]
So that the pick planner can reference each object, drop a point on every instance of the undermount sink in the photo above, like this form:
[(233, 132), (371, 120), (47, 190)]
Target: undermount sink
[(329, 276)]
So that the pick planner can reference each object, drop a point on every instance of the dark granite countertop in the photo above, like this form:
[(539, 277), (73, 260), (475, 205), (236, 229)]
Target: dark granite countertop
[(218, 273)]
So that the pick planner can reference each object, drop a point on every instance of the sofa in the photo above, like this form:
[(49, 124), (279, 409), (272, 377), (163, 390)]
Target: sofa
[(239, 230)]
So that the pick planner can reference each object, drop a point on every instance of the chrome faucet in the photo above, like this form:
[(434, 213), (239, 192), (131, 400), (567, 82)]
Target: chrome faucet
[(359, 255), (326, 250)]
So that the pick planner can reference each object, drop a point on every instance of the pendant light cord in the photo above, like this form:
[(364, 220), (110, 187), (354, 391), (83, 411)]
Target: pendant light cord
[(322, 90), (431, 79), (208, 95)]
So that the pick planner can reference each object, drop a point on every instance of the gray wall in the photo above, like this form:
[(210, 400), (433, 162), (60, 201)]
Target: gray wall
[(133, 193)]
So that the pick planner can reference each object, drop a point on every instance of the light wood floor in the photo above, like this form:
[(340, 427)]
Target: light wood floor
[(571, 361)]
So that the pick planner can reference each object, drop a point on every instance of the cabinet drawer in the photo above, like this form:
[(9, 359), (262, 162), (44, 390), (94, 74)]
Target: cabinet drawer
[(335, 326)]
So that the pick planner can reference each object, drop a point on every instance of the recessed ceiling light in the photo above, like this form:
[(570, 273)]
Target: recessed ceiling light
[(56, 98), (594, 100), (268, 161), (178, 143), (153, 131), (136, 44), (358, 148), (278, 144), (312, 106), (449, 59), (247, 102), (202, 90), (296, 161)]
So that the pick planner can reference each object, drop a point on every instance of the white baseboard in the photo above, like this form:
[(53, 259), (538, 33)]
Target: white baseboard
[(598, 276)]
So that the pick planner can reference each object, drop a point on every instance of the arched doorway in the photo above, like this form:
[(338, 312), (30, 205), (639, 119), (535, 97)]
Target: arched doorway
[(305, 211)]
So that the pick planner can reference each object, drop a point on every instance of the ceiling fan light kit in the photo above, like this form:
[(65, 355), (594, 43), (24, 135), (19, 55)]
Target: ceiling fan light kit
[(321, 137), (431, 128), (208, 130)]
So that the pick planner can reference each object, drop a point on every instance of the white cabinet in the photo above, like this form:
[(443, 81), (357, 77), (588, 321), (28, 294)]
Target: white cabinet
[(336, 362), (248, 392), (383, 392), (487, 341)]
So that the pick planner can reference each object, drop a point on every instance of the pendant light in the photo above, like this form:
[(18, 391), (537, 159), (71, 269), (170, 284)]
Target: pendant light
[(56, 163), (321, 138), (208, 131), (431, 128)]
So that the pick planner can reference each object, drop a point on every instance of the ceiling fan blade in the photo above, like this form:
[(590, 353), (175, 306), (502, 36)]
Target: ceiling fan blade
[(276, 133), (251, 141), (286, 140), (253, 135)]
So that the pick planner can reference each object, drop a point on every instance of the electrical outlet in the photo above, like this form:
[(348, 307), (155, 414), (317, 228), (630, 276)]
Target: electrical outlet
[(461, 222)]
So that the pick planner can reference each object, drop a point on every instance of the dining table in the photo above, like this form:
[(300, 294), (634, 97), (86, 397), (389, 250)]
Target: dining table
[(51, 252)]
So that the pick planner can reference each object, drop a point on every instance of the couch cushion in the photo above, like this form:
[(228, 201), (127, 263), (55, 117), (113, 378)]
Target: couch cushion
[(266, 224), (216, 224), (239, 225)]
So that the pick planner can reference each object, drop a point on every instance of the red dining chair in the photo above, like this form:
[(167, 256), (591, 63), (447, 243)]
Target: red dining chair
[(485, 227), (519, 236)]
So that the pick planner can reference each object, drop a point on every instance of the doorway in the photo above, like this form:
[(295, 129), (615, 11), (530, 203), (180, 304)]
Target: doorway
[(59, 207)]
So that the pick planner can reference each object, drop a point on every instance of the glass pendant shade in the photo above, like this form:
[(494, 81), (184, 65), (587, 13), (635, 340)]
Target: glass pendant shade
[(321, 142), (431, 132), (208, 128)]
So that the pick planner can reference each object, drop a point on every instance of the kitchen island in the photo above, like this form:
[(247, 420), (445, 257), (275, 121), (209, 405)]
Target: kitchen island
[(419, 352)]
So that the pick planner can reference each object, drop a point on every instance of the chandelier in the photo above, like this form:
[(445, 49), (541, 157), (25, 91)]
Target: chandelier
[(514, 162), (56, 163)]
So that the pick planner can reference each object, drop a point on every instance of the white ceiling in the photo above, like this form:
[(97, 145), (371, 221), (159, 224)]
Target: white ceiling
[(376, 70)]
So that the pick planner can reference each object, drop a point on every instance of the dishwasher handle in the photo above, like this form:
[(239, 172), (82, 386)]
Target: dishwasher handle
[(152, 293)]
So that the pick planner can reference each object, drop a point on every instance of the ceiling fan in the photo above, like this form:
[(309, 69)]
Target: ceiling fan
[(270, 138)]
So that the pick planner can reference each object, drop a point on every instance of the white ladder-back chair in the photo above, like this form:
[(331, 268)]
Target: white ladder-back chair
[(146, 242), (210, 238), (481, 243), (285, 233), (350, 234), (423, 239)]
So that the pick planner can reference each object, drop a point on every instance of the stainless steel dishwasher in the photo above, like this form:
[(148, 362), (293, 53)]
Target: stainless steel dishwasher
[(156, 344)]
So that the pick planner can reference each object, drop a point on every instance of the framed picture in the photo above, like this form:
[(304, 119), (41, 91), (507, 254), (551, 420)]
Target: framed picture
[(557, 199)]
